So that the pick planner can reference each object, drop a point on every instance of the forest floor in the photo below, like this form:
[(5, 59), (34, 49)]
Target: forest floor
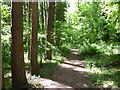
[(70, 74)]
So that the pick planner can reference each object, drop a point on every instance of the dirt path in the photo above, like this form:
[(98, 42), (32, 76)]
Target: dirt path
[(70, 74)]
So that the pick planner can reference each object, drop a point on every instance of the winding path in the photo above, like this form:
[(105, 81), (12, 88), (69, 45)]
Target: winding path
[(70, 74)]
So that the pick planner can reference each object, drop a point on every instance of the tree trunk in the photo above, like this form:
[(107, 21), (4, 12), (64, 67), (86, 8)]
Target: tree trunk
[(17, 53), (42, 15), (50, 28), (34, 42), (29, 25), (119, 15), (45, 13)]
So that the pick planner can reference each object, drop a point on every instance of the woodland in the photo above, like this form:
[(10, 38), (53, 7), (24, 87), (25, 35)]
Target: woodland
[(42, 45)]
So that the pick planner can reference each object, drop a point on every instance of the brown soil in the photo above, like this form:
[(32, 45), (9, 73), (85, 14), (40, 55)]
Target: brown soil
[(70, 74)]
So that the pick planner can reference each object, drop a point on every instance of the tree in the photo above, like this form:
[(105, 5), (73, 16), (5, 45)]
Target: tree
[(42, 14), (29, 24), (45, 5), (17, 52), (50, 28), (34, 42), (119, 14), (60, 10)]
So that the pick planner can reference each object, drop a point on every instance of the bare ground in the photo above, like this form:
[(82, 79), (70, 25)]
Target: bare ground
[(70, 74)]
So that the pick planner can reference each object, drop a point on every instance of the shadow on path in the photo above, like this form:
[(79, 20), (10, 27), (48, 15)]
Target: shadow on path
[(70, 74)]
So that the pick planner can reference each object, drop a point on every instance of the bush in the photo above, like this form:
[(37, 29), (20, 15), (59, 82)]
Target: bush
[(6, 55), (64, 50), (91, 50)]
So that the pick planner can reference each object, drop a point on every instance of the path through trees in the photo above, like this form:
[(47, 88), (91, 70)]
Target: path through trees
[(70, 74), (37, 40)]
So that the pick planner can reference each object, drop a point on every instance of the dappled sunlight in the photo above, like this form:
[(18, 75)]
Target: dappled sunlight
[(66, 66), (9, 74), (95, 70), (75, 68), (70, 74), (48, 83), (107, 84), (75, 51), (75, 62), (80, 69), (70, 77), (76, 65), (71, 44), (27, 61), (44, 82), (85, 85)]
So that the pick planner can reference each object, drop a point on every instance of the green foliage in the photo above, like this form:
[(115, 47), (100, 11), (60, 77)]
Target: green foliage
[(89, 50), (6, 56), (93, 29), (94, 21), (5, 52), (41, 46), (8, 82), (103, 65), (61, 27), (47, 69), (64, 50), (5, 30), (34, 80), (60, 10), (106, 79), (102, 72)]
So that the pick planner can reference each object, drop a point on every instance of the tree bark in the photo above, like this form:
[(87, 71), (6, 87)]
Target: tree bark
[(17, 53), (50, 28), (34, 42), (45, 13), (119, 14), (42, 15), (29, 25)]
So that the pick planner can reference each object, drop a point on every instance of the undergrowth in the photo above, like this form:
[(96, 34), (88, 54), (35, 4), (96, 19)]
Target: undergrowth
[(46, 70), (103, 64), (62, 50)]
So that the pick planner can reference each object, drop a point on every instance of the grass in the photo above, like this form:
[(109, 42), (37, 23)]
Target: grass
[(104, 65), (105, 78), (104, 73), (49, 66), (64, 50), (47, 69)]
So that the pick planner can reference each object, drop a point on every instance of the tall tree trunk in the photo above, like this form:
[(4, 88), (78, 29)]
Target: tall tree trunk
[(42, 15), (34, 42), (119, 14), (45, 13), (29, 25), (17, 52), (50, 28)]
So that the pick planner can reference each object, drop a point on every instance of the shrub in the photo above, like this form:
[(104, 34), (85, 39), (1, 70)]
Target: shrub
[(64, 50)]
